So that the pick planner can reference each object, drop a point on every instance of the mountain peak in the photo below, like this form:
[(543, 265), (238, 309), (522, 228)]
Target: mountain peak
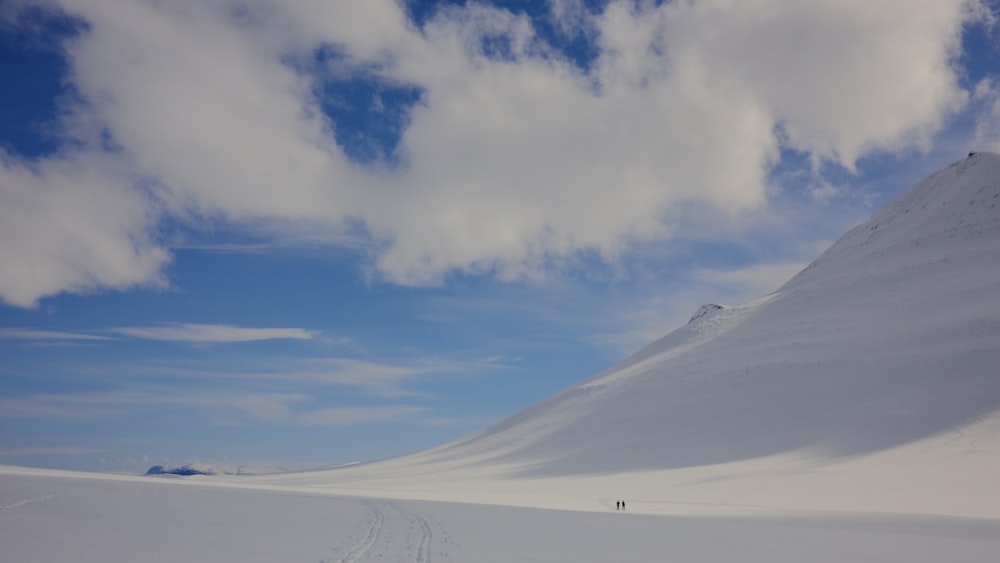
[(705, 310), (956, 207), (962, 196)]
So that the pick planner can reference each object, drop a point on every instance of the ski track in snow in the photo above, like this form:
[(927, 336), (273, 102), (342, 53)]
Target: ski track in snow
[(391, 525), (365, 545), (32, 500), (424, 543)]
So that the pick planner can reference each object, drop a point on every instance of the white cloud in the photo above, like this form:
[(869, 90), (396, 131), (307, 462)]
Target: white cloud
[(205, 105), (987, 97), (570, 17), (389, 378), (212, 333), (45, 335), (508, 164), (73, 223), (108, 404), (840, 77), (823, 191), (380, 379), (178, 332)]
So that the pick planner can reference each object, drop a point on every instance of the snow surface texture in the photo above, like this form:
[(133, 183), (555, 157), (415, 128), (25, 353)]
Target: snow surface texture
[(850, 416), (114, 519)]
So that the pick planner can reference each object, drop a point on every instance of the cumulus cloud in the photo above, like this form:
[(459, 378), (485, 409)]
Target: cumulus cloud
[(839, 78), (74, 223), (514, 157)]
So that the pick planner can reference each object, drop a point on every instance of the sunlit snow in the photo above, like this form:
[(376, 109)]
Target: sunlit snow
[(852, 415)]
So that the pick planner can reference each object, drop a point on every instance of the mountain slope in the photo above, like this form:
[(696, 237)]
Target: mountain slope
[(890, 338), (892, 335)]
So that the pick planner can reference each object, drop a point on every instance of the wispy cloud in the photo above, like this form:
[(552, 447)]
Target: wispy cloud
[(194, 333), (212, 333), (397, 378), (46, 335), (245, 391), (207, 407), (381, 378), (258, 406)]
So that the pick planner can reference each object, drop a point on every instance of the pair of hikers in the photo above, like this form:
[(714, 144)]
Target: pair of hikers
[(620, 505)]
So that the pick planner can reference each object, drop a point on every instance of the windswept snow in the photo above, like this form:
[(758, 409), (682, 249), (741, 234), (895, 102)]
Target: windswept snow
[(852, 415)]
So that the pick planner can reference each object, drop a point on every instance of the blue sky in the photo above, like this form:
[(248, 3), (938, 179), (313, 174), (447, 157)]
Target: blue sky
[(304, 233)]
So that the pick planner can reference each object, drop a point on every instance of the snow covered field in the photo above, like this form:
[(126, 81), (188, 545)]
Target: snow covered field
[(852, 415), (65, 517)]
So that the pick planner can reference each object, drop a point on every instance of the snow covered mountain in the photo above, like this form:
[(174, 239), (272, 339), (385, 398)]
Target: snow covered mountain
[(893, 334), (885, 348)]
